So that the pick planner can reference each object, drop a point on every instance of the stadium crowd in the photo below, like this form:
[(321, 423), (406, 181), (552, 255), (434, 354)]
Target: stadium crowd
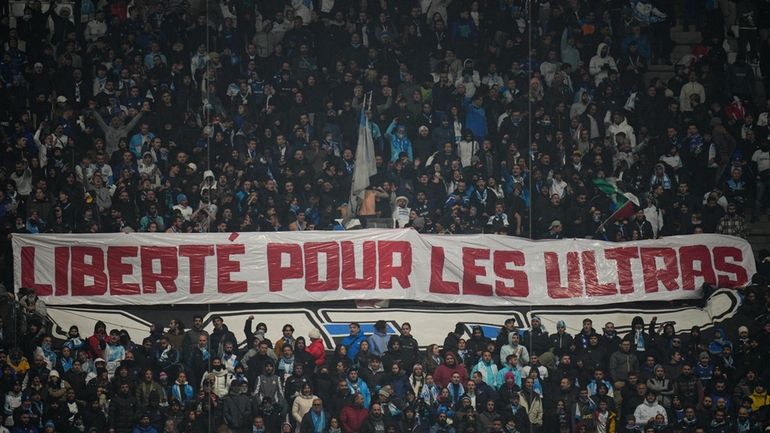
[(528, 379), (497, 116)]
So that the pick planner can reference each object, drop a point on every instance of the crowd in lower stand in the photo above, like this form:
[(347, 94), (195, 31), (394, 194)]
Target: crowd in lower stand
[(536, 378)]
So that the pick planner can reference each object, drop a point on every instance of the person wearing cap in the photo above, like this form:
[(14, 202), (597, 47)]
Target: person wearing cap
[(554, 230), (536, 339), (560, 342), (316, 348), (57, 388), (401, 212)]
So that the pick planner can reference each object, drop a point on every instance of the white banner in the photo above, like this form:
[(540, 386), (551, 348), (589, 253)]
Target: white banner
[(160, 268)]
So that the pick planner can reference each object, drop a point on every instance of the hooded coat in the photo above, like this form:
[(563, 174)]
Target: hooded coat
[(518, 350), (443, 374), (597, 63)]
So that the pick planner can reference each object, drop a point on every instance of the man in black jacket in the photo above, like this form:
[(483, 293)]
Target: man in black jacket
[(410, 348), (237, 408), (123, 410)]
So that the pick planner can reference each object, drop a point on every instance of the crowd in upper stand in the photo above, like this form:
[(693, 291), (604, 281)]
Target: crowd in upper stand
[(487, 116)]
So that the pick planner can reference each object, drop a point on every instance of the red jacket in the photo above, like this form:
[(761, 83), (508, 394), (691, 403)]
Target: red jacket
[(443, 374), (95, 343), (352, 418), (317, 351)]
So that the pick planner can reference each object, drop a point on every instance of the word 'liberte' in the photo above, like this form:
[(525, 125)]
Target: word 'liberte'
[(375, 265)]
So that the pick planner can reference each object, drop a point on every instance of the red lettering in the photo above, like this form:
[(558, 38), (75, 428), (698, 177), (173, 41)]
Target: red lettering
[(197, 255), (721, 254), (437, 282), (349, 279), (312, 277), (520, 287), (118, 269), (687, 258), (622, 257), (94, 269), (388, 271), (226, 266), (553, 276), (652, 274), (28, 273), (278, 273), (62, 270), (471, 272), (169, 269), (593, 287)]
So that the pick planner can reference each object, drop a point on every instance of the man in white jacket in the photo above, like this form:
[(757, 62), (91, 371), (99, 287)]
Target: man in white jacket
[(218, 379), (649, 409), (620, 124), (602, 63)]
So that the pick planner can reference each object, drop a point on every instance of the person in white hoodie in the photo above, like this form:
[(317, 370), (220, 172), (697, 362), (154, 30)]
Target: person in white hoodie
[(514, 348), (620, 124), (467, 148), (649, 409), (599, 64)]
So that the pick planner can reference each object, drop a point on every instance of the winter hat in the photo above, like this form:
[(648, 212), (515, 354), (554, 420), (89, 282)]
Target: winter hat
[(743, 329), (314, 334), (561, 324)]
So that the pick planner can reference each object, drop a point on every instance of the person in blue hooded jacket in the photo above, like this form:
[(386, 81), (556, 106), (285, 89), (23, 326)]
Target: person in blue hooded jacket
[(718, 342), (399, 142), (353, 341), (476, 117), (378, 341)]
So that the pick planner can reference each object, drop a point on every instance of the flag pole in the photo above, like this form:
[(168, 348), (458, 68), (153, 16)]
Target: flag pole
[(601, 226)]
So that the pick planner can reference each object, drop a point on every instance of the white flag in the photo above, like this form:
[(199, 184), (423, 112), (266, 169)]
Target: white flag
[(365, 166)]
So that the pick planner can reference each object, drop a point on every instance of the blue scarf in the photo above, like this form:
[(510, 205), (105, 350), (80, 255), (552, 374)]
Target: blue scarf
[(319, 421), (204, 353), (66, 363), (48, 353), (639, 341)]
